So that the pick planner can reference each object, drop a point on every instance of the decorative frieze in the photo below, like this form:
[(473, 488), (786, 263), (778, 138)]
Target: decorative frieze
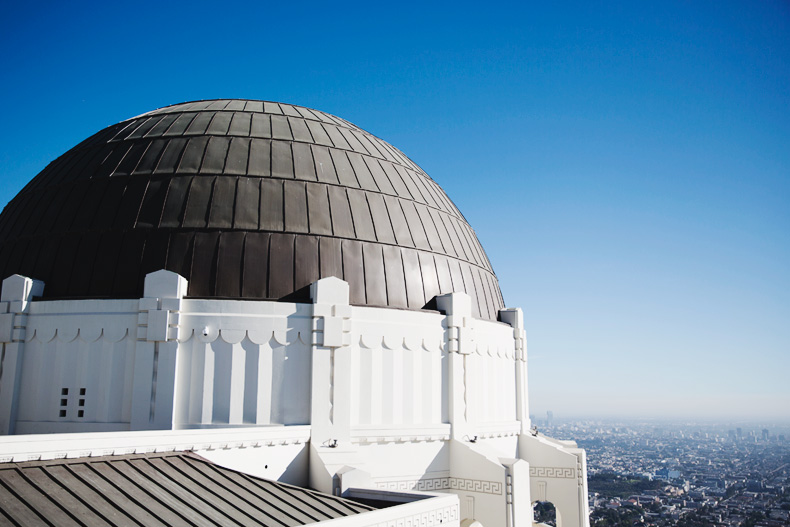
[(440, 516), (553, 472), (443, 483)]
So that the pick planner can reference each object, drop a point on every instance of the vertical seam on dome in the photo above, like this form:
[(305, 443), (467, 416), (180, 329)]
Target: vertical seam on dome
[(328, 198), (422, 280), (484, 263), (291, 131), (175, 118), (370, 212), (463, 252), (111, 222), (271, 159), (384, 269), (321, 124), (463, 280), (293, 161), (364, 274), (178, 159), (207, 213), (389, 218), (400, 170), (489, 306), (268, 267), (125, 128), (140, 204), (306, 206), (353, 171), (140, 270), (343, 265), (350, 213), (331, 219), (282, 194), (186, 127), (449, 274), (225, 160), (405, 280), (169, 241), (435, 270), (320, 266), (241, 264), (181, 216), (438, 234), (310, 132), (260, 197), (159, 156), (249, 153), (386, 176), (235, 199), (378, 144)]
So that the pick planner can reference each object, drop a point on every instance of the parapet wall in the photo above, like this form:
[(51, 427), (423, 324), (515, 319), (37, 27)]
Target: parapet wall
[(168, 362)]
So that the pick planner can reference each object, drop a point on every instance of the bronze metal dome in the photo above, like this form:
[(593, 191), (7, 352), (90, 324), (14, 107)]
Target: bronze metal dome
[(247, 200)]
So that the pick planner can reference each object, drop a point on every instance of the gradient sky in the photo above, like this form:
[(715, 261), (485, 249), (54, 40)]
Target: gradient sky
[(626, 165)]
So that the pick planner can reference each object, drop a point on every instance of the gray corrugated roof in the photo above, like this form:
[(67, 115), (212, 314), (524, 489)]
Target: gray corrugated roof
[(246, 199), (155, 490)]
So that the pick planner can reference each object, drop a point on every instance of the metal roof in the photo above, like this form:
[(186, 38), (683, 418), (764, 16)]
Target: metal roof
[(246, 199), (155, 490)]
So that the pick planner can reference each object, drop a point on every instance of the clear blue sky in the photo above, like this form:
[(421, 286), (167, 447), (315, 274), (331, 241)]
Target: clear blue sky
[(625, 164)]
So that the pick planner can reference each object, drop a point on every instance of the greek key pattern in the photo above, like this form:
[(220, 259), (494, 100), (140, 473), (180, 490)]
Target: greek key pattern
[(476, 485), (427, 519), (426, 485), (431, 484), (552, 472)]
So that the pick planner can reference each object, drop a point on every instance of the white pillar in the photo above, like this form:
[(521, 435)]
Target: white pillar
[(460, 342), (153, 395), (330, 410), (515, 318), (331, 405), (17, 292)]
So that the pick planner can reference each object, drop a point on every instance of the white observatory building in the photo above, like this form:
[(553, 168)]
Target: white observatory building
[(250, 313)]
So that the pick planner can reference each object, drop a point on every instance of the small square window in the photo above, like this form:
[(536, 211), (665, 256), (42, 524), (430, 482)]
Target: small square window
[(81, 413), (63, 402), (82, 402), (64, 391), (82, 391), (63, 413)]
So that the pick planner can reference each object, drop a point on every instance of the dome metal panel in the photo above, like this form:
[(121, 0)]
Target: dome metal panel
[(246, 199)]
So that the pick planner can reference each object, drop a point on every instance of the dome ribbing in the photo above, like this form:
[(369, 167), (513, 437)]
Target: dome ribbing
[(246, 199)]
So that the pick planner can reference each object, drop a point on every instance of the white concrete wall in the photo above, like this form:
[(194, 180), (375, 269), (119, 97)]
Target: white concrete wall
[(398, 368), (80, 353), (558, 473), (406, 400), (243, 363), (491, 374), (433, 511)]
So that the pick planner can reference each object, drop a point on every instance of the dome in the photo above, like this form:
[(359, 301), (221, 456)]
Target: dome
[(247, 200)]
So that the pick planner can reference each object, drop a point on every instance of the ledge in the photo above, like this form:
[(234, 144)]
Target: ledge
[(59, 446), (367, 434)]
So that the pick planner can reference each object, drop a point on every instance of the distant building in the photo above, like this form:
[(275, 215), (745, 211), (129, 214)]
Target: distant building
[(667, 474)]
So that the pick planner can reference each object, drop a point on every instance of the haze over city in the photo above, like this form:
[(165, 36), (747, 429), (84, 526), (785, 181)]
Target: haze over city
[(626, 166)]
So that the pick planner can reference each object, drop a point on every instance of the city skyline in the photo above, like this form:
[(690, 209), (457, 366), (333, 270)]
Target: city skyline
[(625, 167)]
